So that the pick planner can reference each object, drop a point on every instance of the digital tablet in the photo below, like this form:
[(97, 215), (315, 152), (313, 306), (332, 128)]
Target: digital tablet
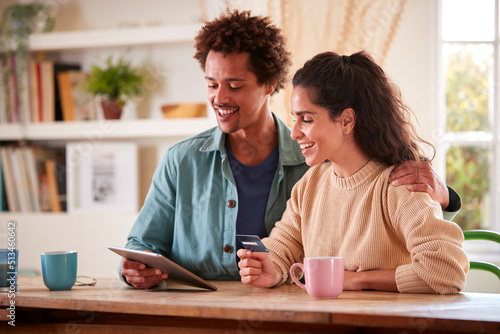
[(155, 260)]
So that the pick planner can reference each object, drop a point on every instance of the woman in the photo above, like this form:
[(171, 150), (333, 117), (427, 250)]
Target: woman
[(353, 127)]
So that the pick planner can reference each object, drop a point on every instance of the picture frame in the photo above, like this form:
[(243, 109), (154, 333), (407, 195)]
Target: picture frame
[(102, 177)]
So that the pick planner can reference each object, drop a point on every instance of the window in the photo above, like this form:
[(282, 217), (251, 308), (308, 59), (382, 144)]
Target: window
[(469, 101)]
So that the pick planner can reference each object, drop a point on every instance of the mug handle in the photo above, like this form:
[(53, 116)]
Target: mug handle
[(292, 273)]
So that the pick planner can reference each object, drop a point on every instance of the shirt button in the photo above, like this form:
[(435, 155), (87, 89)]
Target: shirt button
[(231, 203), (227, 249)]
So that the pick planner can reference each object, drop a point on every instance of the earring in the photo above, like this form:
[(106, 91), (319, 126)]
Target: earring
[(346, 131)]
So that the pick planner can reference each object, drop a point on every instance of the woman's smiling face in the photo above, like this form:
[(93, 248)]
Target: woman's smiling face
[(319, 137)]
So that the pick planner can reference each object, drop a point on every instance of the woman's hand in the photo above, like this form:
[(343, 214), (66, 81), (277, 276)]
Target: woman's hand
[(141, 277), (257, 269)]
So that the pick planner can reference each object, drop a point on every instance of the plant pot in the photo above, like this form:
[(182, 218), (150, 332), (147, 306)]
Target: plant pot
[(112, 109)]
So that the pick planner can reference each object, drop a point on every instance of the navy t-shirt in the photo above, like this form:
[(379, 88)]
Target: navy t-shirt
[(253, 184)]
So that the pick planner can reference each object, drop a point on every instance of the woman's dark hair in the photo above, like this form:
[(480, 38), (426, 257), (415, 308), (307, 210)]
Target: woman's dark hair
[(383, 128), (235, 32)]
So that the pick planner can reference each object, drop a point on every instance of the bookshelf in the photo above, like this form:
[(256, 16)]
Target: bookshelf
[(122, 129), (75, 40), (90, 233)]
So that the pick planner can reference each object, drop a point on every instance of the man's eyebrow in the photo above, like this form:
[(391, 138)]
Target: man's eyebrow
[(227, 80)]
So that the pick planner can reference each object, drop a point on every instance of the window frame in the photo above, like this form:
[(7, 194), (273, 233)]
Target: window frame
[(476, 138)]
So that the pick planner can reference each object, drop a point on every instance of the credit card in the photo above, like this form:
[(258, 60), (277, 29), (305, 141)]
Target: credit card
[(252, 243)]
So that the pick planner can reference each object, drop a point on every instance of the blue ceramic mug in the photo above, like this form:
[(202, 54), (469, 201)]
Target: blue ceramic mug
[(8, 269), (59, 269)]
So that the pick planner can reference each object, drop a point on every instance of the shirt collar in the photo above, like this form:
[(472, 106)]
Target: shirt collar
[(289, 149)]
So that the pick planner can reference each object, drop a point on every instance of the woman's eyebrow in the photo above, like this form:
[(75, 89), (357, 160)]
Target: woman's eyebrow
[(300, 113)]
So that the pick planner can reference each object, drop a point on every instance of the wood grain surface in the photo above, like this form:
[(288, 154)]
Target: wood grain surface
[(236, 303)]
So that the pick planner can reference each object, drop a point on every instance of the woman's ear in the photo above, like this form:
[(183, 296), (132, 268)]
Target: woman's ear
[(348, 119)]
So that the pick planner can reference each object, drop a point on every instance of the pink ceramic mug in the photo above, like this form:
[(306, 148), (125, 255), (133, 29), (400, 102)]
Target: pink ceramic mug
[(324, 276)]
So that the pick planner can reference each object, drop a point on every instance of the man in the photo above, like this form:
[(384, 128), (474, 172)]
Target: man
[(237, 177)]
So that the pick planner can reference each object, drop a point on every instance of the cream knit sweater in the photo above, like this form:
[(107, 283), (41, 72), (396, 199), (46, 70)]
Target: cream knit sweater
[(373, 225)]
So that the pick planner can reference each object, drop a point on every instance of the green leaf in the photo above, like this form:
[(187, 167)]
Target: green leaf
[(115, 80)]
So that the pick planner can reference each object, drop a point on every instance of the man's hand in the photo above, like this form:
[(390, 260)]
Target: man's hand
[(257, 269), (141, 277), (419, 176)]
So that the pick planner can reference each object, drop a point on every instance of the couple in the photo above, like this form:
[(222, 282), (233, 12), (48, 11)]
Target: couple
[(238, 177)]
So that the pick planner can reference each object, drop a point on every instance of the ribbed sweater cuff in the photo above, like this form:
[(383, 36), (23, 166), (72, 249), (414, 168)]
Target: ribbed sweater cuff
[(284, 272), (277, 248), (408, 281)]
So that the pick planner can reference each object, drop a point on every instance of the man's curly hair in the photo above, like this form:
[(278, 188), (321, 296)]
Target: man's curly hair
[(235, 32)]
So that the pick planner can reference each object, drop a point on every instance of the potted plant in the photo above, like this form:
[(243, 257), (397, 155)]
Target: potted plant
[(116, 83), (18, 21)]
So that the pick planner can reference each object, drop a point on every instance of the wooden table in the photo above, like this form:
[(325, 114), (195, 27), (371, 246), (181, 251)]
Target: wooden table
[(110, 307)]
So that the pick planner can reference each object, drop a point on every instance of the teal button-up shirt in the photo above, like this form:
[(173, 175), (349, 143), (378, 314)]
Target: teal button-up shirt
[(189, 214)]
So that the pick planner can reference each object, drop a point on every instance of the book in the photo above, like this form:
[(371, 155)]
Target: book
[(32, 178), (51, 174), (77, 104), (45, 204), (61, 178), (19, 72), (24, 184), (50, 167), (3, 91), (10, 186), (39, 92), (40, 155), (3, 207), (58, 69), (44, 89), (7, 84), (19, 179), (66, 96), (47, 90), (43, 188), (14, 88), (11, 89), (35, 92), (14, 116), (24, 94)]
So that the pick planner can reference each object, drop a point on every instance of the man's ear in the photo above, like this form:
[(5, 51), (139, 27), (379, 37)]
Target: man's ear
[(348, 119), (272, 87)]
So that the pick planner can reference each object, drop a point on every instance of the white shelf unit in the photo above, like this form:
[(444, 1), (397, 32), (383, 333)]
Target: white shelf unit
[(110, 129), (71, 40), (93, 39), (89, 234)]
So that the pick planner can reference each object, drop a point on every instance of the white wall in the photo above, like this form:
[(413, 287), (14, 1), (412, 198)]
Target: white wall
[(104, 14), (411, 61)]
